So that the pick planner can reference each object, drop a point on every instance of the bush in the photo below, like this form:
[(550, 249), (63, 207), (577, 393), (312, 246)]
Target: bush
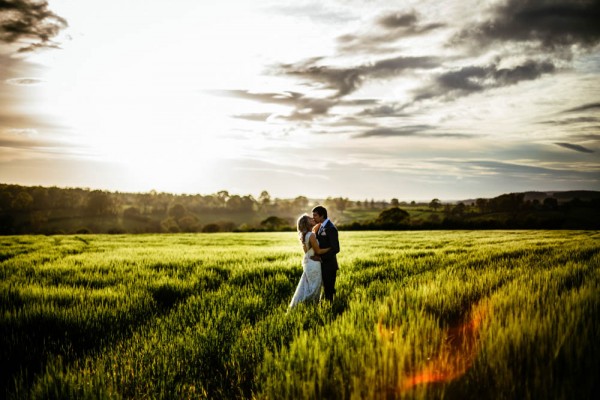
[(211, 228)]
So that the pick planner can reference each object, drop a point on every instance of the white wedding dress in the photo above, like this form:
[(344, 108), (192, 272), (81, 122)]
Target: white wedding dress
[(309, 287)]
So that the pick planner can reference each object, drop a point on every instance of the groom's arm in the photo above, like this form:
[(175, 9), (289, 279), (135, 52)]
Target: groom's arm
[(334, 243)]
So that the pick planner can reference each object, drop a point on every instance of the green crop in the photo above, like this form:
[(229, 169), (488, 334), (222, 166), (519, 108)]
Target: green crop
[(452, 314)]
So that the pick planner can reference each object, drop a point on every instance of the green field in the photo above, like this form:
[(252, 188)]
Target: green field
[(452, 314)]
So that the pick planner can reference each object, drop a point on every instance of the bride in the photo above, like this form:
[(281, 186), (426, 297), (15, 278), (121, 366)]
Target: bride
[(309, 287)]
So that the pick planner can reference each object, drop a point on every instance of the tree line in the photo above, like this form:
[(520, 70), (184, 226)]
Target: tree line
[(26, 209), (52, 210)]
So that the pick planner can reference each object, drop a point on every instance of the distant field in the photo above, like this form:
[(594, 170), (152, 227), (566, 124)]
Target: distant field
[(452, 314)]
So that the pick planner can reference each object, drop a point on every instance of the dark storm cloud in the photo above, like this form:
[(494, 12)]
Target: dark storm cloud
[(347, 80), (30, 24), (550, 23), (472, 79), (388, 29), (575, 147)]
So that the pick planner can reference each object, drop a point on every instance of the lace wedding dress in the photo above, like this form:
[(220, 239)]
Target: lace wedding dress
[(309, 287)]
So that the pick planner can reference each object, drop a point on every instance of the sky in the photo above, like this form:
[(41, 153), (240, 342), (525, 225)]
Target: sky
[(412, 99)]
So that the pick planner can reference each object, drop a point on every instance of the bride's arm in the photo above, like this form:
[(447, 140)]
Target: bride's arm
[(315, 245)]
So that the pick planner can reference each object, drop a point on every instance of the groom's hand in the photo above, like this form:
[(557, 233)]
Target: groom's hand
[(315, 258)]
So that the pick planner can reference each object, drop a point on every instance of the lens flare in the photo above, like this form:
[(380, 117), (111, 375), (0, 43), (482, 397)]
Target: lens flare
[(455, 355)]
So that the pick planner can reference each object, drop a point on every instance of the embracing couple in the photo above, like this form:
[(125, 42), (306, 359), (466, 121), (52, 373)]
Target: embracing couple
[(319, 238)]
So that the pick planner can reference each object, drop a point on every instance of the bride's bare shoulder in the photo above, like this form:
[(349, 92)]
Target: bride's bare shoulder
[(315, 228)]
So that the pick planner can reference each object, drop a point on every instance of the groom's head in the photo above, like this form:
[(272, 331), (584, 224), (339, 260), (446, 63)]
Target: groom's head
[(319, 214)]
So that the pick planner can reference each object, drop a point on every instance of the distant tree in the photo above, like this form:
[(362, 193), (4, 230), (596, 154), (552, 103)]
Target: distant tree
[(301, 203), (264, 198), (226, 226), (177, 211), (550, 203), (434, 218), (392, 216), (22, 202), (170, 225), (234, 203), (6, 199), (40, 198), (395, 202), (223, 196), (211, 228), (37, 219), (447, 209), (131, 212), (506, 203), (188, 223), (248, 203), (435, 204), (340, 203), (274, 223), (482, 204), (459, 210), (100, 203)]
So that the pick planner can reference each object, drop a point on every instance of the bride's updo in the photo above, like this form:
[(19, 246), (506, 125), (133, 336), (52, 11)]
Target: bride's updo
[(303, 227)]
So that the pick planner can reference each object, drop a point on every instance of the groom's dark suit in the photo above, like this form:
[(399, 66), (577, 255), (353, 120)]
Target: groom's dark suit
[(327, 236)]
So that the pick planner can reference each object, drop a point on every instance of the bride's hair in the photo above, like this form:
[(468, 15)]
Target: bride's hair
[(303, 227)]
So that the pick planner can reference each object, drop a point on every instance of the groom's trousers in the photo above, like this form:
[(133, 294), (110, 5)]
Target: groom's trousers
[(329, 272)]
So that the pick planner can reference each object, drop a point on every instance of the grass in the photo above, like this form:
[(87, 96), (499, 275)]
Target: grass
[(462, 314)]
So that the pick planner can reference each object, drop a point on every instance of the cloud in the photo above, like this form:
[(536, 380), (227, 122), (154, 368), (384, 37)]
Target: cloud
[(314, 10), (406, 24), (584, 107), (575, 147), (509, 168), (388, 28), (411, 130), (24, 81), (304, 108), (472, 79), (258, 117), (384, 111), (29, 23), (572, 121), (548, 23), (28, 142), (347, 80)]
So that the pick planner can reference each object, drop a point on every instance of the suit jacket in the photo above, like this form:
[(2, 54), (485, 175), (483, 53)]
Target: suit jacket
[(327, 236)]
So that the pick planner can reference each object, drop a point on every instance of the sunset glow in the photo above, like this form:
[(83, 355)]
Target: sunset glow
[(381, 99)]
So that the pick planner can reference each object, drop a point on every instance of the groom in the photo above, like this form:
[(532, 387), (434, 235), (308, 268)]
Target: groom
[(327, 236)]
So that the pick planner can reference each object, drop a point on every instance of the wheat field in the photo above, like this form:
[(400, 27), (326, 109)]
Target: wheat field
[(432, 314)]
